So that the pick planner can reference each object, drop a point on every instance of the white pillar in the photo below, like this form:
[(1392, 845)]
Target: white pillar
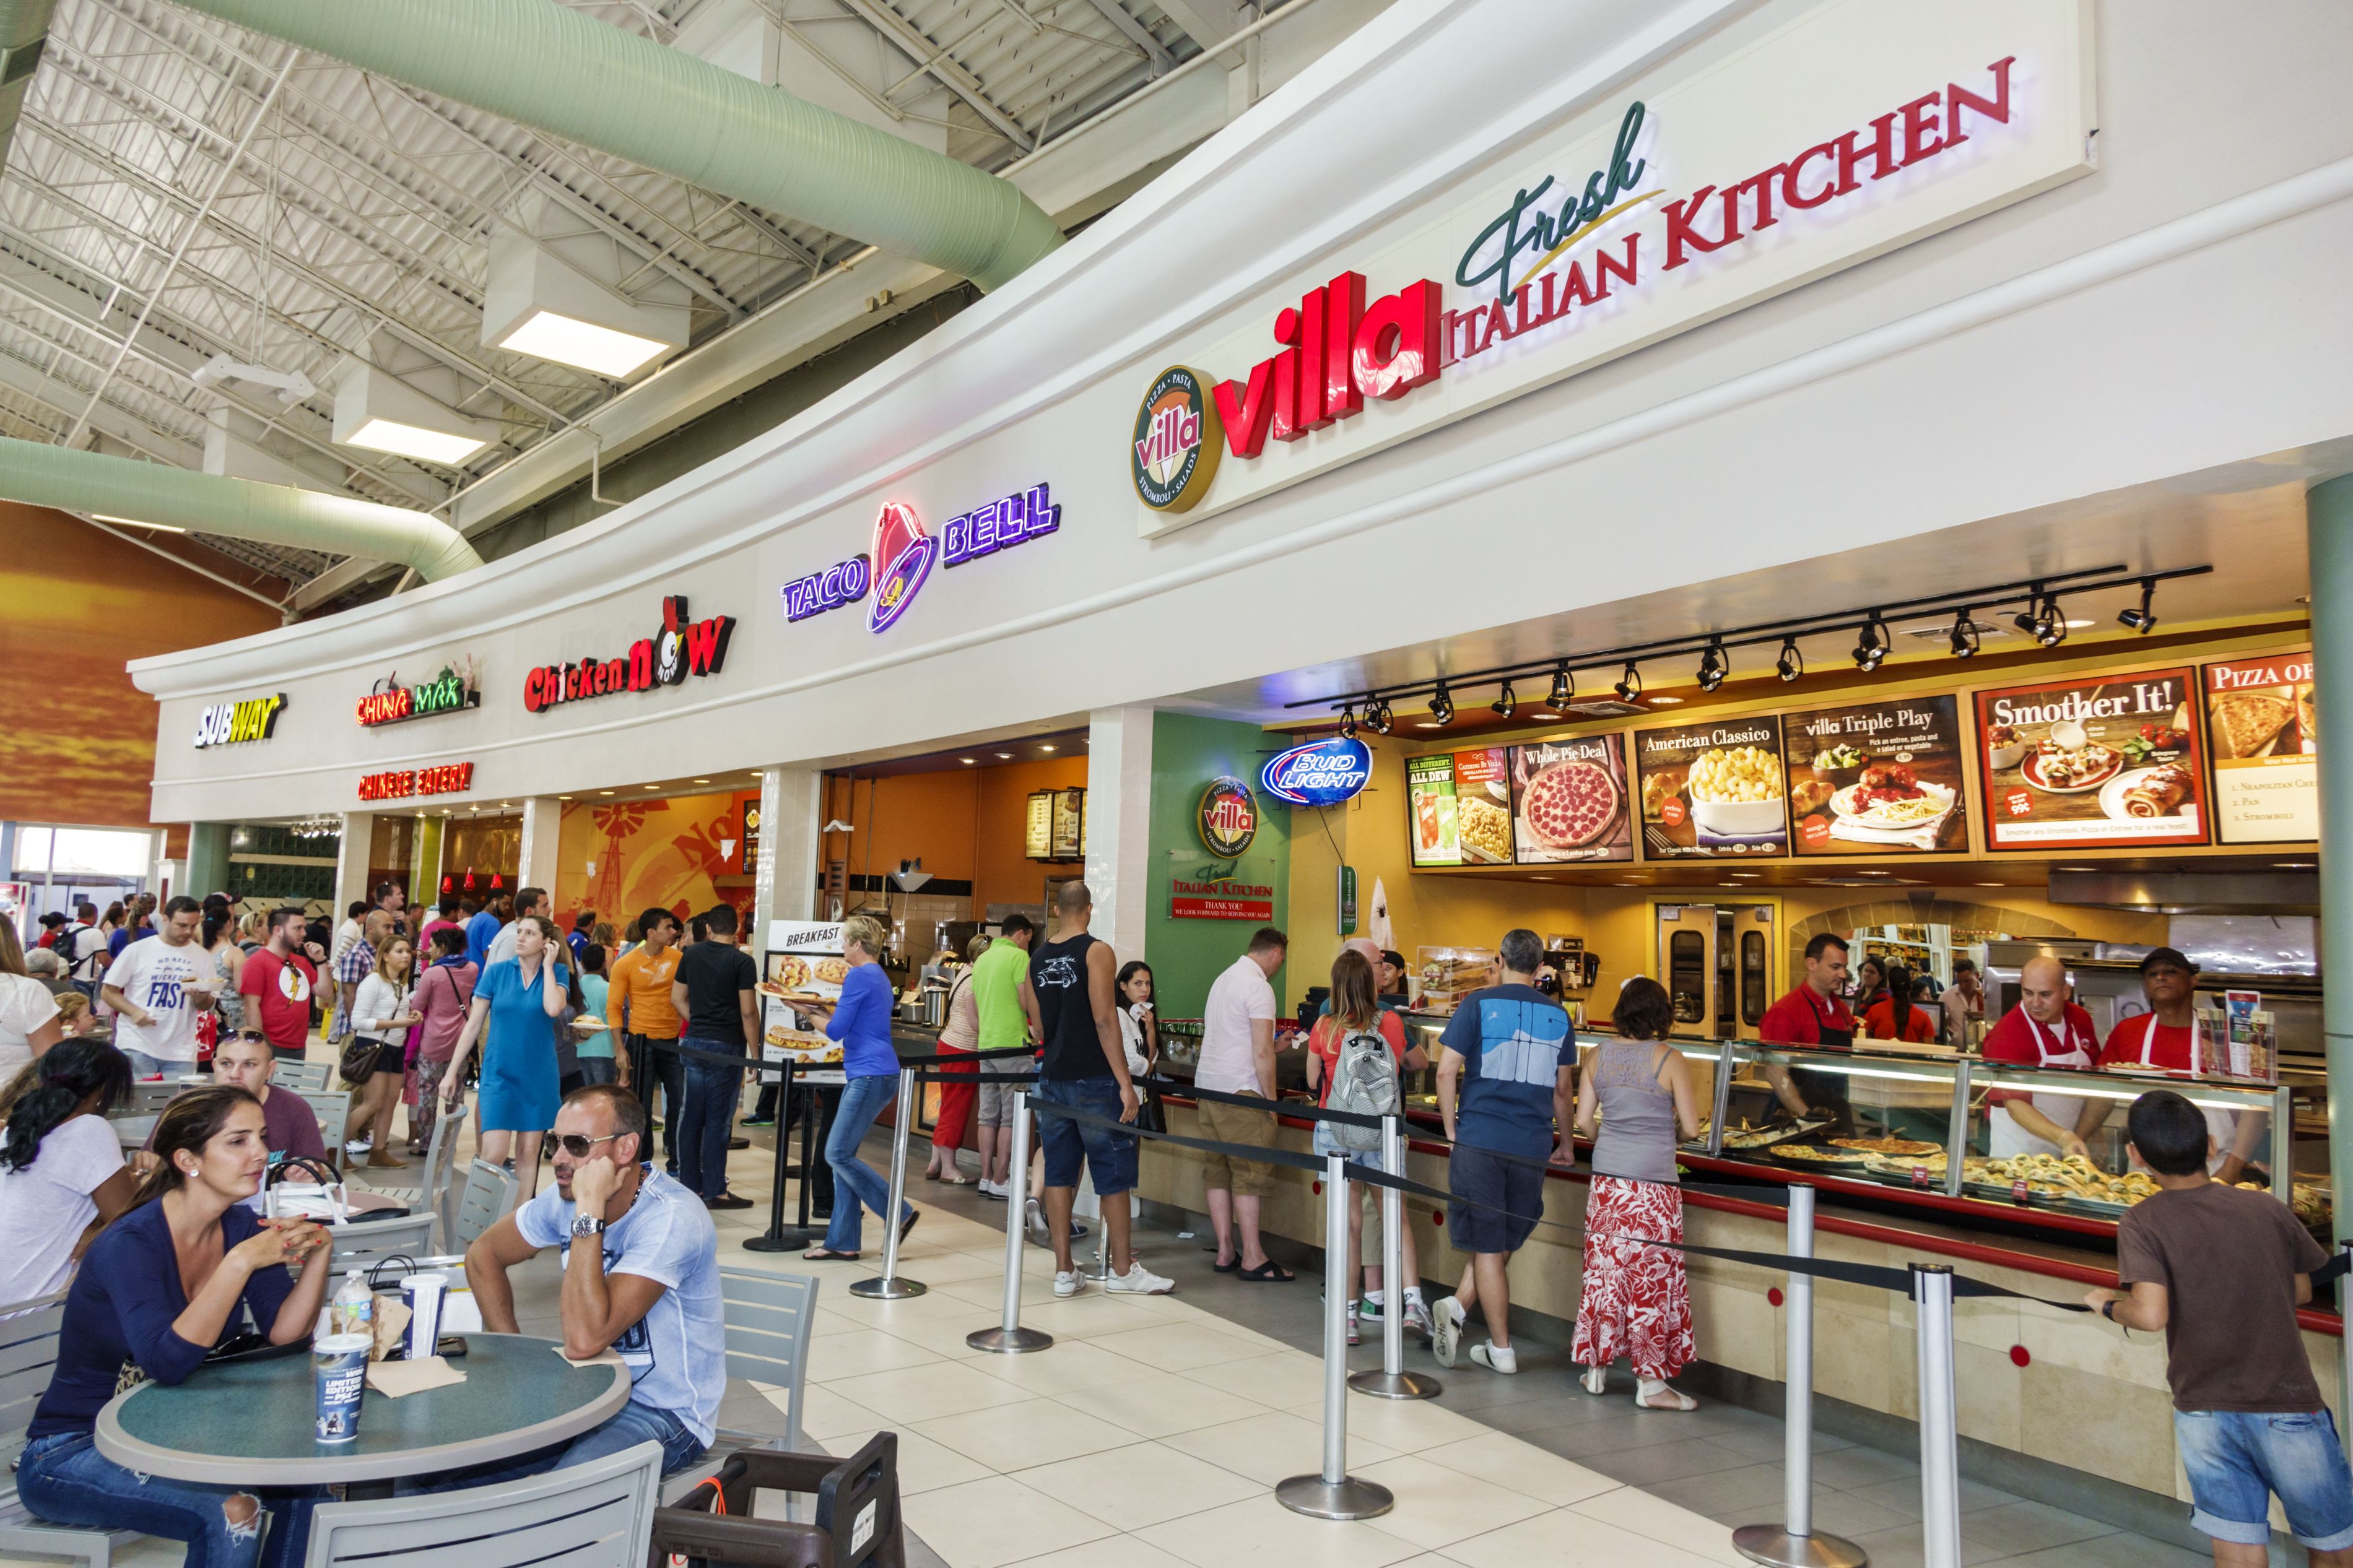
[(1119, 823), (352, 863), (542, 829), (784, 886)]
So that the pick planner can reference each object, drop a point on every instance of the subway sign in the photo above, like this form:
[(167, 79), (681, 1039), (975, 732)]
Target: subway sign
[(1321, 772), (234, 723)]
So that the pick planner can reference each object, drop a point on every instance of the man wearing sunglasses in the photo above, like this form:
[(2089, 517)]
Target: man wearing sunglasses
[(640, 1277)]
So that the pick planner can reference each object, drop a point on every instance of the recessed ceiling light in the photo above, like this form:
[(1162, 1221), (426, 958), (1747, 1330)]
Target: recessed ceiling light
[(1993, 884), (2074, 867), (2081, 624), (2294, 864), (568, 341), (1004, 756), (1045, 748), (382, 435), (649, 786), (1428, 724), (703, 781), (604, 792), (1662, 701), (967, 761), (1539, 879), (563, 797)]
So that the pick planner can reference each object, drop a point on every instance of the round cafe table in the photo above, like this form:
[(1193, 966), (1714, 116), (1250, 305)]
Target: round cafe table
[(252, 1423)]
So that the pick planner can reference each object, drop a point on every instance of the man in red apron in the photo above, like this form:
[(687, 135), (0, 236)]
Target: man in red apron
[(2170, 1039), (2045, 1030), (1813, 1013)]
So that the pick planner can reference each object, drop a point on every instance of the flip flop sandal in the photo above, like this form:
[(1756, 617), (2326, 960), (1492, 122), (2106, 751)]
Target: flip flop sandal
[(909, 1223), (826, 1255), (1269, 1272), (1233, 1268)]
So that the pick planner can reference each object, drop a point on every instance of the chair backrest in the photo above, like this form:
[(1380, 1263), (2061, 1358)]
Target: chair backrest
[(149, 1097), (28, 1353), (132, 1131), (597, 1515), (435, 1188), (361, 1243), (302, 1078), (490, 1192), (769, 1318), (332, 1107)]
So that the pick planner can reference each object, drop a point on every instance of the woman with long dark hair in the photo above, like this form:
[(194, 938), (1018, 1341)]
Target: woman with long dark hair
[(61, 1171), (162, 1287), (218, 936)]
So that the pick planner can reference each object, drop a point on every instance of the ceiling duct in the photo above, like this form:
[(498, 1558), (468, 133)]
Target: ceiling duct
[(24, 33), (37, 474), (567, 74)]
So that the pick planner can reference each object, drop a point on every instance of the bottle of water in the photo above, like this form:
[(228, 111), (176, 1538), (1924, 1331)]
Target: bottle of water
[(352, 1309)]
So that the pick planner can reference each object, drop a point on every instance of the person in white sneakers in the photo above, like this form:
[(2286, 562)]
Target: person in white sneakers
[(1354, 1015), (1085, 1069)]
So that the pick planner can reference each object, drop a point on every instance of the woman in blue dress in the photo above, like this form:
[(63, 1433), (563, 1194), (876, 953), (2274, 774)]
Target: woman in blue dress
[(518, 999)]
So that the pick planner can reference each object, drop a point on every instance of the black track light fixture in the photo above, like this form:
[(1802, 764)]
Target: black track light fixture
[(1347, 720), (2052, 629), (1714, 664), (1441, 705), (2142, 619), (2033, 620), (1378, 714), (1791, 664), (1871, 646), (1965, 635), (1629, 685), (1505, 703), (1563, 689)]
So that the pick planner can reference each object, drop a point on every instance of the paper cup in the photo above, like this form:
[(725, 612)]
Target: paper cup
[(341, 1361), (423, 1294)]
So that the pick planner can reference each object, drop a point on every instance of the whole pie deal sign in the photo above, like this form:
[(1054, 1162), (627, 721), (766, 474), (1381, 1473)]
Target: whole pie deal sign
[(2265, 739)]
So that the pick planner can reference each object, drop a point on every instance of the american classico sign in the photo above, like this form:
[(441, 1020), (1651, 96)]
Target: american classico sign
[(1847, 132)]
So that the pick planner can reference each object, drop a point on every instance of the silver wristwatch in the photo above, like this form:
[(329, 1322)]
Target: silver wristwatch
[(588, 1224)]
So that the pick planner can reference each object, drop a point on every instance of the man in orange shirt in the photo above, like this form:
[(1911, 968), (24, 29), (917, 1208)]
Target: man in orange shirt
[(637, 1005)]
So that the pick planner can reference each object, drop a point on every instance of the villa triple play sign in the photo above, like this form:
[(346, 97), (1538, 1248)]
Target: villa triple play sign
[(1847, 132)]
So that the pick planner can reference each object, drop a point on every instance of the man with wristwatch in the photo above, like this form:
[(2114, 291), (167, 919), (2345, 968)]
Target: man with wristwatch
[(641, 1279)]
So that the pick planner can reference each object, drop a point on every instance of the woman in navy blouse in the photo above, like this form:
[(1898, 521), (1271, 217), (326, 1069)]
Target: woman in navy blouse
[(862, 1024), (159, 1289)]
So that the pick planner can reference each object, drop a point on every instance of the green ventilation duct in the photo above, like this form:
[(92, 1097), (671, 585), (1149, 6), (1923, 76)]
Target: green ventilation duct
[(567, 74), (24, 30), (125, 488)]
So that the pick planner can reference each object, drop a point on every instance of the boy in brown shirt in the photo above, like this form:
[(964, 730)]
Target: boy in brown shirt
[(2221, 1271)]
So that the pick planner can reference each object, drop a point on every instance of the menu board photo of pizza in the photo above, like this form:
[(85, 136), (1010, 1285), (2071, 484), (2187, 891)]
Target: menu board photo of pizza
[(2265, 741), (1431, 835), (1714, 791), (2108, 760), (1570, 801), (1878, 778)]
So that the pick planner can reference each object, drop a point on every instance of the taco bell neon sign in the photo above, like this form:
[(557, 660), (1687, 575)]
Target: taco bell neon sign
[(903, 554)]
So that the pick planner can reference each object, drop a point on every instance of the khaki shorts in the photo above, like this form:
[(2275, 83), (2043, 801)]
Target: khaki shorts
[(1236, 1124)]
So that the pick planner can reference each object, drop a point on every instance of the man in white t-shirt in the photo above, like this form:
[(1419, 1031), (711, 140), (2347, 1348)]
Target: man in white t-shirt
[(158, 989), (1237, 1057)]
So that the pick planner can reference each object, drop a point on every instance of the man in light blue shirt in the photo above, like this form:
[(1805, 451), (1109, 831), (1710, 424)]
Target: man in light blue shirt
[(640, 1277), (483, 929)]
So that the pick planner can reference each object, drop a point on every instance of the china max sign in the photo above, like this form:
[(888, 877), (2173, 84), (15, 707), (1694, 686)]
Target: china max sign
[(1699, 197)]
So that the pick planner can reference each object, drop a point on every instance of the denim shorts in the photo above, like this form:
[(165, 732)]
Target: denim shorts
[(1110, 1156), (2236, 1460), (1327, 1145), (1489, 1184)]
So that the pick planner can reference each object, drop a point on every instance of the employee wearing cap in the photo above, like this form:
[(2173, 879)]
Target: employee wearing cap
[(2045, 1030), (2170, 1039)]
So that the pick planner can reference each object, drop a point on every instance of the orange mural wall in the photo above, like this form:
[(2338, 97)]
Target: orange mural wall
[(80, 604), (682, 854), (968, 827)]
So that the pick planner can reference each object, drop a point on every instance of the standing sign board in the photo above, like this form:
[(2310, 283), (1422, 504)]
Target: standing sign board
[(803, 961)]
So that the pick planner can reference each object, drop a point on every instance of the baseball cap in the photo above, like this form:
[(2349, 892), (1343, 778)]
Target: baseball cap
[(2160, 957)]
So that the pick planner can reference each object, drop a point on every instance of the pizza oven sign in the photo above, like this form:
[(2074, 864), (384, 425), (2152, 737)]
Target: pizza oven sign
[(1321, 772)]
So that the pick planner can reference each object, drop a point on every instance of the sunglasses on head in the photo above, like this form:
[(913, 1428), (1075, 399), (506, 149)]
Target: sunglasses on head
[(578, 1147)]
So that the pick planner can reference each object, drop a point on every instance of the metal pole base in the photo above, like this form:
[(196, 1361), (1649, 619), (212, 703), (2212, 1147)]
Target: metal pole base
[(791, 1238), (1775, 1547), (884, 1287), (1008, 1341), (1395, 1385), (1347, 1499)]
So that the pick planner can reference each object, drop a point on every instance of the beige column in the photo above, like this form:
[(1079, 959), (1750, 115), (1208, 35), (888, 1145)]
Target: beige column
[(784, 883), (352, 863), (1119, 823), (543, 822)]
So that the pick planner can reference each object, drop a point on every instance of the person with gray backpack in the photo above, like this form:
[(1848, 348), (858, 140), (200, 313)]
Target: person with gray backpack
[(1354, 1053)]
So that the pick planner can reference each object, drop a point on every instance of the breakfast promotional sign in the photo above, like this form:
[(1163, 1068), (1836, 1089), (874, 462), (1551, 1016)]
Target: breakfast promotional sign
[(2265, 741), (2106, 762), (1716, 790), (1878, 777)]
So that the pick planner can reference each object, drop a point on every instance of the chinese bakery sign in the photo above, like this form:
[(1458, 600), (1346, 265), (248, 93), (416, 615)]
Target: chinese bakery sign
[(903, 554), (1690, 200), (682, 646)]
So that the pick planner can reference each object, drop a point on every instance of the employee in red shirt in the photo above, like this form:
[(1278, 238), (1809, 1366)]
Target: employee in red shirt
[(1880, 1019), (2168, 1037), (1813, 1013), (2045, 1030)]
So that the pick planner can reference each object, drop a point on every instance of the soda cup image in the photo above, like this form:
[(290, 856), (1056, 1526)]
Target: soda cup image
[(341, 1361)]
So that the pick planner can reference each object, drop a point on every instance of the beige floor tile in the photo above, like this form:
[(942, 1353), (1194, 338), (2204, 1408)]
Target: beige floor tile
[(1262, 1530), (1157, 1404), (854, 1355), (1144, 1483), (991, 1522), (923, 1466), (1112, 1552), (921, 1392), (1269, 1447), (1090, 1316), (989, 1291), (1437, 1506), (942, 1336), (1178, 1347), (1285, 1381), (825, 1413), (1062, 1368), (1020, 1436), (1563, 1539), (1629, 1508), (1405, 1425), (939, 1266), (1500, 1458)]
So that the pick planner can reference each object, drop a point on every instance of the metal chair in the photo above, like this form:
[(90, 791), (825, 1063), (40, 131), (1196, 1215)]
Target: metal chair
[(362, 1244), (332, 1107), (28, 1353), (490, 1194), (597, 1515), (302, 1078), (132, 1131), (440, 1163)]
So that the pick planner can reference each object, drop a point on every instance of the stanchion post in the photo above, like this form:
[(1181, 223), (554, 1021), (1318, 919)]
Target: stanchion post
[(1792, 1543), (889, 1287), (2345, 1342), (1392, 1381), (1333, 1493), (1940, 1479), (780, 1236), (1009, 1338)]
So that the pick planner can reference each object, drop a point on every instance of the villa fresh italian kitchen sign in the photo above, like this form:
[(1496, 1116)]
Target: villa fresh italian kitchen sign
[(1854, 130)]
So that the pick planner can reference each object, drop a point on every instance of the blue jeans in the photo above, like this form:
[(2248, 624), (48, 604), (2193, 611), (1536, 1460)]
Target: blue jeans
[(708, 1118), (625, 1429), (64, 1480), (1111, 1156), (2236, 1460), (651, 1070), (856, 1185)]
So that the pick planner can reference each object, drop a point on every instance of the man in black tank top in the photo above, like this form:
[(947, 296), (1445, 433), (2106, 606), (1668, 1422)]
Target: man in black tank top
[(1085, 1069)]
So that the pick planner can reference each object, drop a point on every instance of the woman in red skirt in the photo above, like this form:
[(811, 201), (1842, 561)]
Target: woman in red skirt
[(1636, 1302), (960, 1033)]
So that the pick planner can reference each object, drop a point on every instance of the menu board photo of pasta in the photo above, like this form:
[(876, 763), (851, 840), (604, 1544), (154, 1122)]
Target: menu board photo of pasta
[(1878, 778), (2102, 761), (1570, 801), (1433, 835), (2265, 739), (1483, 806), (1714, 791)]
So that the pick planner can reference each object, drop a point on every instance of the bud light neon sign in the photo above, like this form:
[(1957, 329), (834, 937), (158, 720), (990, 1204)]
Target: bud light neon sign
[(1321, 772)]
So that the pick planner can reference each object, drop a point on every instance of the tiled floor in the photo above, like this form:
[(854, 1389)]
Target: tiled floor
[(1151, 1434)]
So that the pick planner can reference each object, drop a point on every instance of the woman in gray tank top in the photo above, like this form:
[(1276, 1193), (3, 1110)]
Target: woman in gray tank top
[(1636, 1301)]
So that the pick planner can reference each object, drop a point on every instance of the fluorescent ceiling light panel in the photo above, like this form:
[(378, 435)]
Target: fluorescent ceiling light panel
[(414, 441), (378, 411), (566, 341), (570, 308)]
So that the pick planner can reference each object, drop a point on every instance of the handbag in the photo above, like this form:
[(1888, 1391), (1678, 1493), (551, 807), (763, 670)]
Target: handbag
[(359, 1059)]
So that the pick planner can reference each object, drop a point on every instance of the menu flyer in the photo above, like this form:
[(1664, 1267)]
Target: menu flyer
[(1568, 801), (1714, 790), (1431, 835), (2100, 761), (2263, 739), (1878, 778), (1483, 806)]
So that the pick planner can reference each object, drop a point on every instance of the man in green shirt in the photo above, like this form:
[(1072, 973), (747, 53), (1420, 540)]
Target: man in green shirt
[(1009, 1015)]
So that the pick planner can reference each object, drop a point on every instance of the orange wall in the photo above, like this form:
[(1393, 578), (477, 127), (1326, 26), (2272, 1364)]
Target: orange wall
[(650, 854), (81, 603), (968, 826)]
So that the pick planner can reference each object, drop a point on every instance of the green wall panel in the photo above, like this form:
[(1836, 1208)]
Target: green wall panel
[(1186, 955)]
